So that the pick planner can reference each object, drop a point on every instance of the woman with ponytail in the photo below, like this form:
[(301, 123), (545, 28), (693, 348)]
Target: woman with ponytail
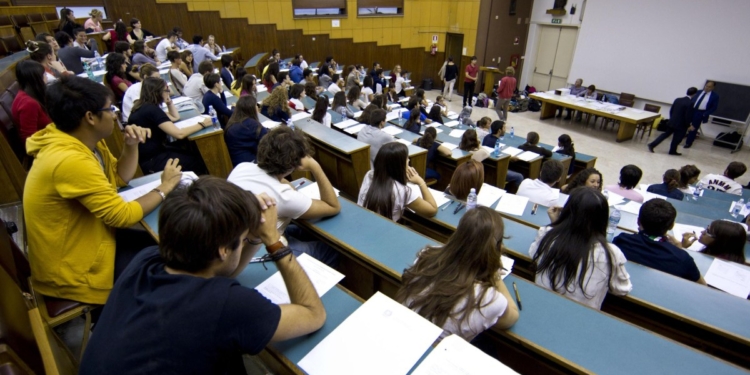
[(670, 188), (427, 142)]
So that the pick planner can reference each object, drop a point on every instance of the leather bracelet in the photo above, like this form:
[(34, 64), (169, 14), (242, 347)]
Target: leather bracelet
[(161, 193)]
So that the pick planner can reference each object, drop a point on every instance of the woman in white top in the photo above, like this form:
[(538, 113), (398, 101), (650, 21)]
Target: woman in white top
[(353, 98), (337, 85), (367, 94), (320, 113), (295, 97), (175, 74), (470, 143), (572, 256), (483, 128), (384, 189), (458, 286)]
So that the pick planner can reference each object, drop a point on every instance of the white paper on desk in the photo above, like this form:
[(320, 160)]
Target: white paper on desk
[(270, 124), (726, 276), (452, 114), (450, 146), (456, 356), (614, 199), (437, 130), (300, 115), (451, 124), (647, 196), (562, 199), (438, 196), (554, 149), (355, 128), (528, 156), (457, 133), (313, 191), (261, 88), (139, 191), (357, 114), (190, 122), (345, 124), (433, 125), (404, 141), (630, 207), (512, 204), (507, 266), (228, 94), (512, 151), (391, 116), (163, 71), (488, 195), (488, 149), (679, 229), (323, 278), (181, 99), (392, 130), (380, 337)]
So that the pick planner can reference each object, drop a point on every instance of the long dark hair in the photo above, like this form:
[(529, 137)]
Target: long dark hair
[(389, 167), (151, 93), (414, 115), (469, 141), (248, 85), (353, 95), (38, 51), (364, 118), (581, 178), (247, 108), (64, 13), (567, 145), (435, 114), (30, 76), (569, 246), (239, 73), (121, 31), (114, 65), (671, 178), (310, 90), (428, 138), (184, 55), (446, 277), (273, 70), (339, 100), (321, 108), (728, 241), (687, 173)]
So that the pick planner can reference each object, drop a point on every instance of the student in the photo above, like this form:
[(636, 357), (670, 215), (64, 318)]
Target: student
[(653, 247), (70, 201), (451, 73), (178, 79), (469, 143), (565, 147), (352, 96), (115, 76), (227, 64), (215, 98), (726, 183), (140, 56), (630, 175), (497, 130), (722, 239), (364, 118), (541, 190), (154, 153), (392, 95), (413, 124), (57, 63), (532, 141), (276, 106), (303, 64), (94, 24), (440, 101), (212, 47), (324, 77), (296, 93), (67, 21), (352, 78), (236, 86), (166, 45), (284, 80), (138, 33), (339, 105), (374, 134), (134, 91), (464, 118), (384, 189), (505, 90), (118, 34), (244, 132), (670, 187), (42, 53), (483, 128), (471, 73), (201, 53), (435, 115), (320, 113), (248, 86), (428, 142), (413, 103), (81, 40), (572, 256), (179, 43), (131, 73), (307, 76), (467, 176), (588, 177), (367, 93), (191, 270), (462, 291), (311, 90), (398, 82), (337, 85), (282, 151), (195, 87), (295, 71), (688, 176), (28, 109), (188, 64)]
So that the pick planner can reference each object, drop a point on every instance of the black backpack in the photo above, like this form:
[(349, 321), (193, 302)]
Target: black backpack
[(535, 105)]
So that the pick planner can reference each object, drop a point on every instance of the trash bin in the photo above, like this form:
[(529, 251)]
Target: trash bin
[(427, 84)]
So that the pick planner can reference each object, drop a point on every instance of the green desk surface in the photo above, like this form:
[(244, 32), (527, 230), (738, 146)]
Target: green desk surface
[(719, 210), (332, 137), (713, 194), (579, 156), (254, 60)]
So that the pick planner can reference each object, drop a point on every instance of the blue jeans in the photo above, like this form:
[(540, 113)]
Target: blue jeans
[(514, 179), (301, 242)]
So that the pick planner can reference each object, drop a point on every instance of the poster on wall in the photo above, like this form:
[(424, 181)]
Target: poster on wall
[(516, 41)]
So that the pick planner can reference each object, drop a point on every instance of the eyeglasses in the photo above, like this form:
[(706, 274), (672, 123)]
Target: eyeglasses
[(111, 108)]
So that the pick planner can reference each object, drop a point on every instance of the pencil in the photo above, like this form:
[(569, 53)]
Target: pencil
[(518, 297), (533, 209)]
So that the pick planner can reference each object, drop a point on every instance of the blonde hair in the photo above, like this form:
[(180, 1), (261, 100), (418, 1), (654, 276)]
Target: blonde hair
[(510, 71), (95, 13), (278, 100)]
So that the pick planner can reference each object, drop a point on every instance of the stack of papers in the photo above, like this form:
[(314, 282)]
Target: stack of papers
[(312, 190), (391, 116), (528, 156), (323, 278), (345, 124), (729, 277), (512, 204), (354, 129), (457, 133), (270, 124), (451, 124), (139, 191), (512, 151), (392, 130), (456, 356), (300, 115), (190, 122), (404, 141), (488, 195)]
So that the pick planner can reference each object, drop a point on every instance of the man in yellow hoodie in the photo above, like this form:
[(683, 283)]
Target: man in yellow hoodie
[(70, 197)]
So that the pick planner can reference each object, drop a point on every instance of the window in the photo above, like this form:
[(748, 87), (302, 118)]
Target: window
[(319, 8), (367, 8)]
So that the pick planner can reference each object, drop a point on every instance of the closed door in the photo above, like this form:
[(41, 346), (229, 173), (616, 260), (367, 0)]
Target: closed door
[(554, 57)]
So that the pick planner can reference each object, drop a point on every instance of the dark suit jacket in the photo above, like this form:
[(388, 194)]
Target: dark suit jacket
[(681, 113), (713, 103)]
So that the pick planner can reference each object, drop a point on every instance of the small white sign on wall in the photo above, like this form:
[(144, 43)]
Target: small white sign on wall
[(435, 38), (335, 23)]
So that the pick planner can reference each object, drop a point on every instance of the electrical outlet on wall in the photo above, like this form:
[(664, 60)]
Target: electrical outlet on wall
[(493, 59), (313, 39), (497, 17), (519, 20)]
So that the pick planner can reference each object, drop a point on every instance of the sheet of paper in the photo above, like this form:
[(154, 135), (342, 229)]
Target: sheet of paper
[(456, 356), (190, 122), (451, 124), (614, 199), (181, 99), (438, 196), (528, 156), (488, 149), (139, 191), (630, 207), (270, 124), (433, 125), (512, 151), (404, 141), (391, 116), (357, 114), (323, 278), (679, 229), (450, 146), (729, 278), (312, 190), (380, 337), (345, 124), (300, 115), (562, 199), (354, 129), (392, 130), (457, 133), (452, 114), (228, 94), (647, 196), (512, 204), (507, 266), (488, 195)]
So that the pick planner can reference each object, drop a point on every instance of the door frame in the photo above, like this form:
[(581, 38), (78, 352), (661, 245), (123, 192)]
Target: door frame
[(451, 39), (532, 46)]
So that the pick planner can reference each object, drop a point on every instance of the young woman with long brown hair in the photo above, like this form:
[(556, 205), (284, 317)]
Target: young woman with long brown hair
[(244, 131), (276, 105)]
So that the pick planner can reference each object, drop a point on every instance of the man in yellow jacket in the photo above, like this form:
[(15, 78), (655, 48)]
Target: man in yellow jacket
[(70, 197)]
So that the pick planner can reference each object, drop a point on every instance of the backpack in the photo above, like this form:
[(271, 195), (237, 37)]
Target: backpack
[(535, 105)]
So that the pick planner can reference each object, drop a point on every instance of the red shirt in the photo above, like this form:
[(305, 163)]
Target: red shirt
[(473, 71), (506, 87), (29, 115)]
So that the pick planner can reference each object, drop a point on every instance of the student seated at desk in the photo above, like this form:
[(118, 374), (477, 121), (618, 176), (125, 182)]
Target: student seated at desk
[(469, 143), (384, 189), (312, 90), (374, 135), (532, 141), (284, 80), (282, 151), (28, 109), (726, 183), (364, 118), (134, 91), (115, 76), (320, 113), (670, 187), (276, 106), (70, 56), (195, 87), (467, 176), (688, 176), (212, 319), (131, 73), (188, 64), (412, 104), (630, 175), (353, 98), (269, 77), (458, 286), (565, 147), (653, 247), (295, 71), (244, 132), (483, 127), (436, 117), (227, 65), (307, 76), (427, 141), (236, 88), (70, 201), (572, 256), (722, 239), (337, 85), (296, 93), (155, 153), (141, 54), (513, 179), (413, 124), (248, 87), (324, 77), (588, 177), (367, 93), (339, 105), (215, 98), (542, 190), (178, 79)]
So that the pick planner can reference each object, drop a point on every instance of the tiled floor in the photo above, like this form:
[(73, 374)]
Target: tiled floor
[(612, 155)]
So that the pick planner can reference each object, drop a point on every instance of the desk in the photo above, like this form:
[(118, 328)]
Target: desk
[(234, 52), (489, 78), (532, 168), (252, 66), (211, 145), (629, 118)]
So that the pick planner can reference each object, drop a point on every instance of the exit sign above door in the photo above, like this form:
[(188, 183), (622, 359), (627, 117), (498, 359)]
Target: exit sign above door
[(557, 20)]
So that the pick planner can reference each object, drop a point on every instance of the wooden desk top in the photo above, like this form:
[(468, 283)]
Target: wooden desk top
[(627, 114)]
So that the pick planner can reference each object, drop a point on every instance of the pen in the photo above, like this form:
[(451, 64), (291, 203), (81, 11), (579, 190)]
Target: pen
[(447, 205), (518, 297), (533, 209), (300, 184), (459, 208)]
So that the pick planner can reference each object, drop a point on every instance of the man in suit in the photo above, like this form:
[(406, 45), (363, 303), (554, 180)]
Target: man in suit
[(704, 104), (680, 116)]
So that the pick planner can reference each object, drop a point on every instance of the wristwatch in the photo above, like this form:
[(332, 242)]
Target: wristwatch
[(280, 244)]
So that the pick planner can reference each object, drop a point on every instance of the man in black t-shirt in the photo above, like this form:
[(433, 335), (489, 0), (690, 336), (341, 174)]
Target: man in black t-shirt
[(177, 308)]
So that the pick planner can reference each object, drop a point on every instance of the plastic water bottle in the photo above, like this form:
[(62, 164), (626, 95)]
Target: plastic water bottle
[(214, 119), (614, 219), (223, 48), (98, 58), (87, 69), (738, 207), (698, 191), (512, 132), (496, 152), (471, 200)]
